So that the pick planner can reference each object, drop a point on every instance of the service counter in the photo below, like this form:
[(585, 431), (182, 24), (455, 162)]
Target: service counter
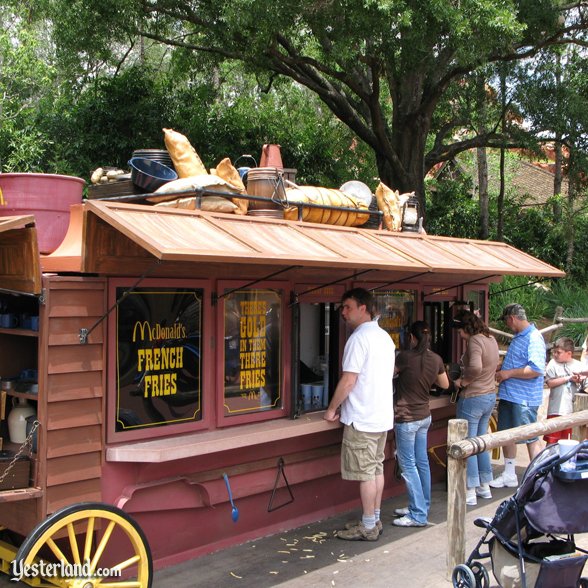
[(282, 473)]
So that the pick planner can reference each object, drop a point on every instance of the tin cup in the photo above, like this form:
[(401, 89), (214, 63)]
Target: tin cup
[(565, 446), (8, 320), (24, 321), (306, 390), (317, 396)]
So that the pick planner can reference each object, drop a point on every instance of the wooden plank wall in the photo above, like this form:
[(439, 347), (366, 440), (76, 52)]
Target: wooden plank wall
[(74, 374)]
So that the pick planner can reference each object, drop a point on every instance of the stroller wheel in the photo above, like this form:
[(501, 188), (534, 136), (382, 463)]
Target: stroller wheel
[(481, 575), (463, 577)]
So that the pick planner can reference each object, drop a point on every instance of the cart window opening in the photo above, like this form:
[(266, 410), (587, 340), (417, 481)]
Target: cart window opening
[(252, 348), (319, 354), (159, 334)]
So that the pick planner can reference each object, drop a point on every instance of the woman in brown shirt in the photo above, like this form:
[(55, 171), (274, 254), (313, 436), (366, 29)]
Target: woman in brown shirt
[(418, 369), (477, 396)]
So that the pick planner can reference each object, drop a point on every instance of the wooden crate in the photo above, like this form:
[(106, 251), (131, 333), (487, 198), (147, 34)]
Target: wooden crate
[(19, 475), (120, 188)]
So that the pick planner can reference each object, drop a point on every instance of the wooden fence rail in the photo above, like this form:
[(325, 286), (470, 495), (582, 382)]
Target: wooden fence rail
[(459, 448)]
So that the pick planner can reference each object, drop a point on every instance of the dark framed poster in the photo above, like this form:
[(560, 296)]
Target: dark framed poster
[(253, 342), (158, 357)]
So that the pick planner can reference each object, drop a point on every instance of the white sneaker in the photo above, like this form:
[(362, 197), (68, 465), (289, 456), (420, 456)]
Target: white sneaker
[(401, 511), (471, 499), (504, 480), (406, 521), (483, 491)]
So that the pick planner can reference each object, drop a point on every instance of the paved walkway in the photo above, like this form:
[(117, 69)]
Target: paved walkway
[(312, 556)]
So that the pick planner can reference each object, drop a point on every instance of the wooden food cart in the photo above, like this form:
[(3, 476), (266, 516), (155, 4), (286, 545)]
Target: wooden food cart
[(173, 349)]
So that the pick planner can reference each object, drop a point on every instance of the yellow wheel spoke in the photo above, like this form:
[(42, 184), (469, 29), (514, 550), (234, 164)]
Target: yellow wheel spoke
[(73, 543), (102, 546), (89, 537), (123, 565), (126, 584), (56, 551)]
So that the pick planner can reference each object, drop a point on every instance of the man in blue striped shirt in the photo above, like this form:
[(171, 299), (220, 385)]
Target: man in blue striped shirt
[(520, 393)]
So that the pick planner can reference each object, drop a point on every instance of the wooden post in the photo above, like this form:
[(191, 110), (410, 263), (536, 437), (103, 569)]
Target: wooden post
[(457, 430), (557, 324), (580, 403)]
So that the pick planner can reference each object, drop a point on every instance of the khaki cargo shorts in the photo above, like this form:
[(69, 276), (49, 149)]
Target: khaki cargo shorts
[(362, 454)]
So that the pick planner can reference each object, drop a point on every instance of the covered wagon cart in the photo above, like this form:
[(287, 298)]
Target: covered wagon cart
[(172, 352)]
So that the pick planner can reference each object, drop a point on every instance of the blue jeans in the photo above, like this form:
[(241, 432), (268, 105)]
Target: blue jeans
[(477, 411), (411, 452)]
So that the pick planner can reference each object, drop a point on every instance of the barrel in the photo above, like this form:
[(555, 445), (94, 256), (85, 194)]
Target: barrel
[(268, 182)]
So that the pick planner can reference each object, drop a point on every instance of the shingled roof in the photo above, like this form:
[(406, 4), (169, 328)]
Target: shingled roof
[(533, 182)]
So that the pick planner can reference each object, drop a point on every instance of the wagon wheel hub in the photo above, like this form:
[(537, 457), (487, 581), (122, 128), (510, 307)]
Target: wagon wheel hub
[(85, 583)]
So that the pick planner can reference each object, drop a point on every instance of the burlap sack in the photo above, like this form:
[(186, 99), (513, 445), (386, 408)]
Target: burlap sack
[(329, 197), (186, 161), (389, 203), (208, 203), (227, 171), (210, 182)]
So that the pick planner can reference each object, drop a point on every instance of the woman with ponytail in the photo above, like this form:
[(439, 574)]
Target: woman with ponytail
[(418, 369), (477, 396)]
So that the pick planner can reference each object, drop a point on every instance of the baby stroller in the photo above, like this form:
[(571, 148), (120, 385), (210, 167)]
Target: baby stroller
[(530, 539)]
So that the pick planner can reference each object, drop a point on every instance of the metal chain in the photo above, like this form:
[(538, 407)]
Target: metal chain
[(28, 443)]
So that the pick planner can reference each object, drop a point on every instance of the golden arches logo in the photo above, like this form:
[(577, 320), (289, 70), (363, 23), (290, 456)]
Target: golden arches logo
[(142, 326)]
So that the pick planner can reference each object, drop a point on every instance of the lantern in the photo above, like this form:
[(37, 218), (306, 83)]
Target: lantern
[(410, 215)]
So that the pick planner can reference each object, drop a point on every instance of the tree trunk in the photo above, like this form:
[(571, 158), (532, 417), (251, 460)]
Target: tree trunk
[(558, 169), (558, 180), (482, 158), (483, 190), (570, 228), (407, 173), (557, 172), (500, 199)]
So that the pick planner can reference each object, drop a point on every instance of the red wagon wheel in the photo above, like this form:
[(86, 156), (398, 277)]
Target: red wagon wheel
[(87, 545)]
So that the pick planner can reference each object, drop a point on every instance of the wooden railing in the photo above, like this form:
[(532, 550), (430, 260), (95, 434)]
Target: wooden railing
[(460, 447)]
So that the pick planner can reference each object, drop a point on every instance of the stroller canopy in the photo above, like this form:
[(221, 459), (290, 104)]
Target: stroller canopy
[(552, 504)]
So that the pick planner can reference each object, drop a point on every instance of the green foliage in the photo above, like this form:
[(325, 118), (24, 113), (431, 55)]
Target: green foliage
[(451, 209), (536, 231), (381, 68), (107, 122), (518, 289), (321, 148), (26, 81), (27, 149), (541, 300), (118, 114), (572, 298)]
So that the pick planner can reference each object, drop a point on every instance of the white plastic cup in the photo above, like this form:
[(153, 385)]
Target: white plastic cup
[(306, 395), (565, 446)]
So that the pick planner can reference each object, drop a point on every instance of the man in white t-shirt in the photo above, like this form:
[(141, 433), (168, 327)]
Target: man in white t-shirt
[(364, 395)]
